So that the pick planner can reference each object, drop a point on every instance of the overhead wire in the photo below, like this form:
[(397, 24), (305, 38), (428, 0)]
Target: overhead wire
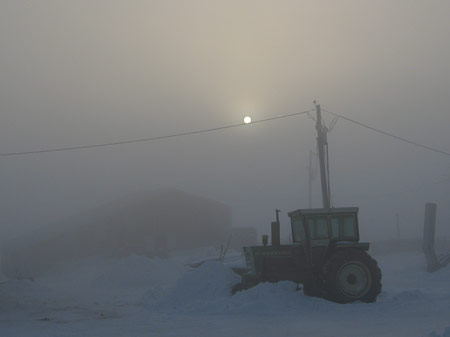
[(150, 138), (333, 123), (419, 187), (390, 134), (59, 149)]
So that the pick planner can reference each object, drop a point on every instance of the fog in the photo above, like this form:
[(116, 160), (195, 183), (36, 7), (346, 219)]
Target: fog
[(85, 72)]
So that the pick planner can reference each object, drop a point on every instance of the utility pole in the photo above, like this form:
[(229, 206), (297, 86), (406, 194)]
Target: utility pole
[(321, 143), (311, 176)]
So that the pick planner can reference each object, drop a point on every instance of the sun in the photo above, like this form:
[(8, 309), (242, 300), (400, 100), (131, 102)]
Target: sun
[(247, 119)]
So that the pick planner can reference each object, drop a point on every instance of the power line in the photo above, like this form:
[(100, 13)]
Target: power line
[(218, 129), (389, 134), (150, 138), (398, 191)]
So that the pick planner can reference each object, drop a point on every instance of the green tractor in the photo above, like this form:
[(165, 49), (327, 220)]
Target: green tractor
[(325, 256)]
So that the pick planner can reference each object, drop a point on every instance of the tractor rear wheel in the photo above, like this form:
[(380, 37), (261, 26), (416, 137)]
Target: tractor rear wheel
[(351, 275)]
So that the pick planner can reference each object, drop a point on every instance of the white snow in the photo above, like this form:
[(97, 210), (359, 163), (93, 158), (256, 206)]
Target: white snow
[(138, 296)]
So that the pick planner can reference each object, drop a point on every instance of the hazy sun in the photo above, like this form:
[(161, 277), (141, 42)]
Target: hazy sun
[(247, 119)]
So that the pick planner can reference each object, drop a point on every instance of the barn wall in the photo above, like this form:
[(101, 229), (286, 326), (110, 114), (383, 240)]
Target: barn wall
[(143, 224)]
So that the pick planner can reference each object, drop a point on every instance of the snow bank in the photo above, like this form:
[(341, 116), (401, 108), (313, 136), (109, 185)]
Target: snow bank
[(446, 333), (202, 289), (99, 296), (207, 290), (112, 281), (410, 295), (137, 272), (273, 298)]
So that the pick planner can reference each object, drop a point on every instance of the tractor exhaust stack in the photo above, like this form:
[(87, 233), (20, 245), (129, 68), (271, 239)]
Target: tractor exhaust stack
[(276, 230)]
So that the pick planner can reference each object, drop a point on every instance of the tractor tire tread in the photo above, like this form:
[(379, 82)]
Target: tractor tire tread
[(331, 289)]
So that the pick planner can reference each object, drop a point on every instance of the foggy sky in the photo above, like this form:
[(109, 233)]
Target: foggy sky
[(83, 72)]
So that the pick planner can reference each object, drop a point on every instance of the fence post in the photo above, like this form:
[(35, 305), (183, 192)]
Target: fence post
[(429, 230)]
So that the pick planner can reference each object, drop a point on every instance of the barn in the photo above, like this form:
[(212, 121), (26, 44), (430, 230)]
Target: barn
[(142, 223)]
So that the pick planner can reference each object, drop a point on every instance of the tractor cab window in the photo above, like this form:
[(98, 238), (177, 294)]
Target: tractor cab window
[(298, 230), (318, 227), (343, 227)]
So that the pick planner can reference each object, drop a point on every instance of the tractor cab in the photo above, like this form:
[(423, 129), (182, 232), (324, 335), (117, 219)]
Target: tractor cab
[(321, 225), (321, 231)]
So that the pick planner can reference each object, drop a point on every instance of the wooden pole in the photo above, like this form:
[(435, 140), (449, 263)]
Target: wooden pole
[(428, 237), (321, 142), (310, 179)]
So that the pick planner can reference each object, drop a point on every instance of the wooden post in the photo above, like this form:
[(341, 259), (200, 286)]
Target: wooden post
[(428, 237)]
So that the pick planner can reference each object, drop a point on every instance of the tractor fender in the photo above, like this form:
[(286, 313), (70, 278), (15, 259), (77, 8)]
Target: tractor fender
[(349, 244), (333, 246)]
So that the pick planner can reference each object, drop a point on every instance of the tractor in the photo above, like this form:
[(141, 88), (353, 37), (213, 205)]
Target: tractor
[(325, 255)]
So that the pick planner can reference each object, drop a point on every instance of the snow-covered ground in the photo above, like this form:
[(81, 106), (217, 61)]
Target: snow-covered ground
[(137, 296)]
